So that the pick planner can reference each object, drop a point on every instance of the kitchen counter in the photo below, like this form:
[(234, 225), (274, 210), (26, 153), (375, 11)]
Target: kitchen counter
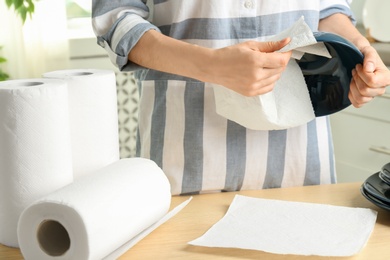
[(169, 241)]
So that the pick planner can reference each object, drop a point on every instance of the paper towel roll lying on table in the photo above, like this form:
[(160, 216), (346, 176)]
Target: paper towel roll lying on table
[(96, 214), (35, 151), (93, 117)]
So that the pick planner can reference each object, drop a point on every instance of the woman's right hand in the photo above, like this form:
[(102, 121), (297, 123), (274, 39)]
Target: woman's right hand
[(250, 68)]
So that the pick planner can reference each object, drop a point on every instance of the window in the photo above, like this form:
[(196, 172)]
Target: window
[(78, 9), (79, 19)]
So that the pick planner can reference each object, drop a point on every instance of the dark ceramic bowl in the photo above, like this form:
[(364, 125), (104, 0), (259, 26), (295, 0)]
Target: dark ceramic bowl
[(328, 79)]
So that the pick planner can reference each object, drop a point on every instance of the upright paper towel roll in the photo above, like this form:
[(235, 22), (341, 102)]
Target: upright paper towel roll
[(96, 214), (93, 118), (35, 152)]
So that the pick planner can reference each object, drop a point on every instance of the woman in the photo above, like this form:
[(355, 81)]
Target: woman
[(188, 47)]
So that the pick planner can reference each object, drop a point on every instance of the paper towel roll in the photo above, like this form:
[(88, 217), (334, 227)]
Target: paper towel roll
[(35, 151), (93, 118), (96, 214)]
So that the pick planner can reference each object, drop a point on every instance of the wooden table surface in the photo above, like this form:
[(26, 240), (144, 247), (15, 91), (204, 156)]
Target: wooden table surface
[(169, 241)]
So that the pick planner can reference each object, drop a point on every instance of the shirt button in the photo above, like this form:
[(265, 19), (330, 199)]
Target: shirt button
[(248, 4)]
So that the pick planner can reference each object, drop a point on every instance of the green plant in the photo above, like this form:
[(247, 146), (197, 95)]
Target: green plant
[(3, 75), (22, 7)]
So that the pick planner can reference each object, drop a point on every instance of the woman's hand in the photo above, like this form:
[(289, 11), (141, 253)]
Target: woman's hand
[(250, 68), (370, 79)]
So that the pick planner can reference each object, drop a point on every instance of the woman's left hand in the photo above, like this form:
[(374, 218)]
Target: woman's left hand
[(370, 79)]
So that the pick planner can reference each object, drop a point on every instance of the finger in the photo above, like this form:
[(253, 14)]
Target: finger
[(266, 73), (268, 57), (272, 46), (367, 77), (359, 101), (274, 60), (264, 86), (370, 84), (263, 90), (370, 59), (355, 97), (361, 86)]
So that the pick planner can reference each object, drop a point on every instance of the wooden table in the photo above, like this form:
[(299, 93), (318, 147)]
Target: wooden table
[(169, 241)]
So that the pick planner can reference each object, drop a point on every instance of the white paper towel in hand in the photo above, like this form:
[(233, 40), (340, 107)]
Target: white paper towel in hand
[(35, 151), (289, 103), (93, 216), (284, 227), (93, 118)]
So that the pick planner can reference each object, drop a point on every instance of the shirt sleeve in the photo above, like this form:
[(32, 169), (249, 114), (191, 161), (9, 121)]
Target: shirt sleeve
[(118, 26), (329, 7)]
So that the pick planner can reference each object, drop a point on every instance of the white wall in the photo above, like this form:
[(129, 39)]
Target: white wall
[(357, 7)]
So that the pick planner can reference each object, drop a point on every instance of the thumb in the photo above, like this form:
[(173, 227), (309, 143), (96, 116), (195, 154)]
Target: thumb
[(369, 66), (273, 46), (369, 63)]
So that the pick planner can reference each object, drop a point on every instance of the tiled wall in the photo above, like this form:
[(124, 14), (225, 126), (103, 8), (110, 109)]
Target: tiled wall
[(128, 113)]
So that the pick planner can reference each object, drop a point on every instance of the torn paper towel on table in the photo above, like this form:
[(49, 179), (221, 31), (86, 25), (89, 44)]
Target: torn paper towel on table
[(284, 227), (121, 250), (289, 104)]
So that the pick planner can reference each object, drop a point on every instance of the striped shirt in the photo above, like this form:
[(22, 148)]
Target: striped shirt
[(179, 129)]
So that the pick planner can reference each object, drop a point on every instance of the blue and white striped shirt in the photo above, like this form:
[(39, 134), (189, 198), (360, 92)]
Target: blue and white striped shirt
[(179, 128)]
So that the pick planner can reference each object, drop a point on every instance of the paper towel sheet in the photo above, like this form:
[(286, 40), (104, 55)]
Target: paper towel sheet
[(93, 118), (123, 249), (35, 150), (286, 106), (289, 104), (302, 40), (97, 214), (283, 227)]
